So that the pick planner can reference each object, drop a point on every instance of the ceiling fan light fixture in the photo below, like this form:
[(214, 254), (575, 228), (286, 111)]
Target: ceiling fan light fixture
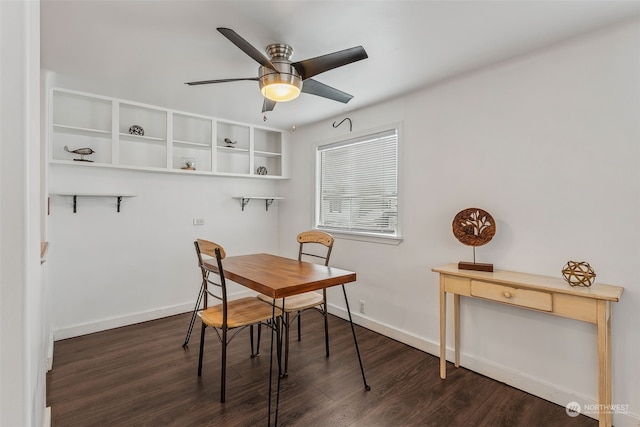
[(280, 87), (282, 82), (280, 92)]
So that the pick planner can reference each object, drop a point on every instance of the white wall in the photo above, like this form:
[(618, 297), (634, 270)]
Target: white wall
[(23, 322), (110, 269), (548, 143)]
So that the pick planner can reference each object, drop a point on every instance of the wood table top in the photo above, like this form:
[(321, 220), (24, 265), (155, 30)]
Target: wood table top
[(279, 277)]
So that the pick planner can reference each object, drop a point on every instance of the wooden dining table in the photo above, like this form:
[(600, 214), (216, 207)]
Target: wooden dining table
[(281, 277)]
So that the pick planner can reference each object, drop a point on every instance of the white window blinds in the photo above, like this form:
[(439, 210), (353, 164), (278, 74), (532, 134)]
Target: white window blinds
[(357, 185)]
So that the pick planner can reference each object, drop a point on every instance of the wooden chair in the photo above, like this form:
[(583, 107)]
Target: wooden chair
[(313, 244), (235, 314)]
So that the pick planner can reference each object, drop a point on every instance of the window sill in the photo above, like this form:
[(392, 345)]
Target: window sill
[(364, 237)]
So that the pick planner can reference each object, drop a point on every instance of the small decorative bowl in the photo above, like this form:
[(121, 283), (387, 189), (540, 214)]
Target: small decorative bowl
[(261, 170), (136, 130)]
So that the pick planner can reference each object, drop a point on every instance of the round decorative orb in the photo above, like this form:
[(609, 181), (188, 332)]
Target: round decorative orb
[(136, 130), (261, 170), (578, 273), (473, 227)]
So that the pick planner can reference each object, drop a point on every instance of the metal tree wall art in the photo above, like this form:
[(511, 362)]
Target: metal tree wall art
[(474, 227)]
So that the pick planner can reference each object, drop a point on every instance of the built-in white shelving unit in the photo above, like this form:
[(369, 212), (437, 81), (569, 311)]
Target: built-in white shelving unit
[(173, 141)]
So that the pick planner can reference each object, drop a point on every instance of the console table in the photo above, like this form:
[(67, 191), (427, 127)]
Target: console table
[(540, 293)]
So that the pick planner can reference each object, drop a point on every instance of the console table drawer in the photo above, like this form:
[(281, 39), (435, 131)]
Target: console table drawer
[(521, 297), (457, 285)]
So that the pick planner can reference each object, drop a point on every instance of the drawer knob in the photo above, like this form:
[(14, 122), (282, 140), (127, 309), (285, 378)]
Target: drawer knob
[(507, 294)]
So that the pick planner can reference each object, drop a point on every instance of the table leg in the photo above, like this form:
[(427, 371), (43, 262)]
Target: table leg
[(273, 331), (355, 340), (456, 328), (279, 353), (443, 330), (604, 363), (609, 361)]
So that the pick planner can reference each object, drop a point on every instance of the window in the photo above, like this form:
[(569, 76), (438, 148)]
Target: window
[(357, 185)]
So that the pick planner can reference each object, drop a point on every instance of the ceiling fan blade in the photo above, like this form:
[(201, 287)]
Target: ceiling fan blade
[(311, 67), (314, 87), (268, 105), (247, 48), (206, 82)]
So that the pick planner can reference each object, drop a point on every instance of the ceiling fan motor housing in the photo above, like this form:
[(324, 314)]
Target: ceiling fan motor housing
[(286, 83)]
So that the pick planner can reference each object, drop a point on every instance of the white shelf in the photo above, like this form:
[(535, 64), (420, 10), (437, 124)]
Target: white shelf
[(232, 150), (244, 200), (93, 194), (77, 129), (266, 154), (195, 144), (142, 137), (160, 170), (84, 120), (77, 194)]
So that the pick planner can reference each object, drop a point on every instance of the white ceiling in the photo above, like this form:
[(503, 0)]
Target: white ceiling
[(146, 50)]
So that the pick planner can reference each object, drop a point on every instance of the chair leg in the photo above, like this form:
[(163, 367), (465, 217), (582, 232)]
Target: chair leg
[(257, 352), (251, 339), (223, 368), (258, 344), (201, 349), (193, 317), (279, 325), (326, 328), (299, 326), (286, 345)]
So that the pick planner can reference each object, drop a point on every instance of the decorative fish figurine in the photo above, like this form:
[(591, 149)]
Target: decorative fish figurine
[(82, 151)]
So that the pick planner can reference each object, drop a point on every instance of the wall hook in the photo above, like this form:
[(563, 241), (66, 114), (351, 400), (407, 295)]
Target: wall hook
[(350, 124)]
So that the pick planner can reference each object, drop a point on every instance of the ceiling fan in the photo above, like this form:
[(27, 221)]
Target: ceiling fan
[(281, 80)]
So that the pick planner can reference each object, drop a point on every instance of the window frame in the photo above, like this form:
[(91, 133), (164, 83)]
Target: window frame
[(372, 237)]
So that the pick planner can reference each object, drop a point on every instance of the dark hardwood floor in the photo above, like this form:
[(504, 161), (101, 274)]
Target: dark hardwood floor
[(141, 376)]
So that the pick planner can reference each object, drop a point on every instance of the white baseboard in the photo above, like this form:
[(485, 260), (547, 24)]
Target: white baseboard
[(117, 322), (50, 352), (520, 380), (46, 422), (132, 319)]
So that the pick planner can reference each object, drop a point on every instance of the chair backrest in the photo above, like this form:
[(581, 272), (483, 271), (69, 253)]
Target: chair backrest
[(208, 248), (213, 250), (313, 239)]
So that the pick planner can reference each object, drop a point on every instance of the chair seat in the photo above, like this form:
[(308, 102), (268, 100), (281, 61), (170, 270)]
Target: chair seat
[(240, 312), (296, 302)]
